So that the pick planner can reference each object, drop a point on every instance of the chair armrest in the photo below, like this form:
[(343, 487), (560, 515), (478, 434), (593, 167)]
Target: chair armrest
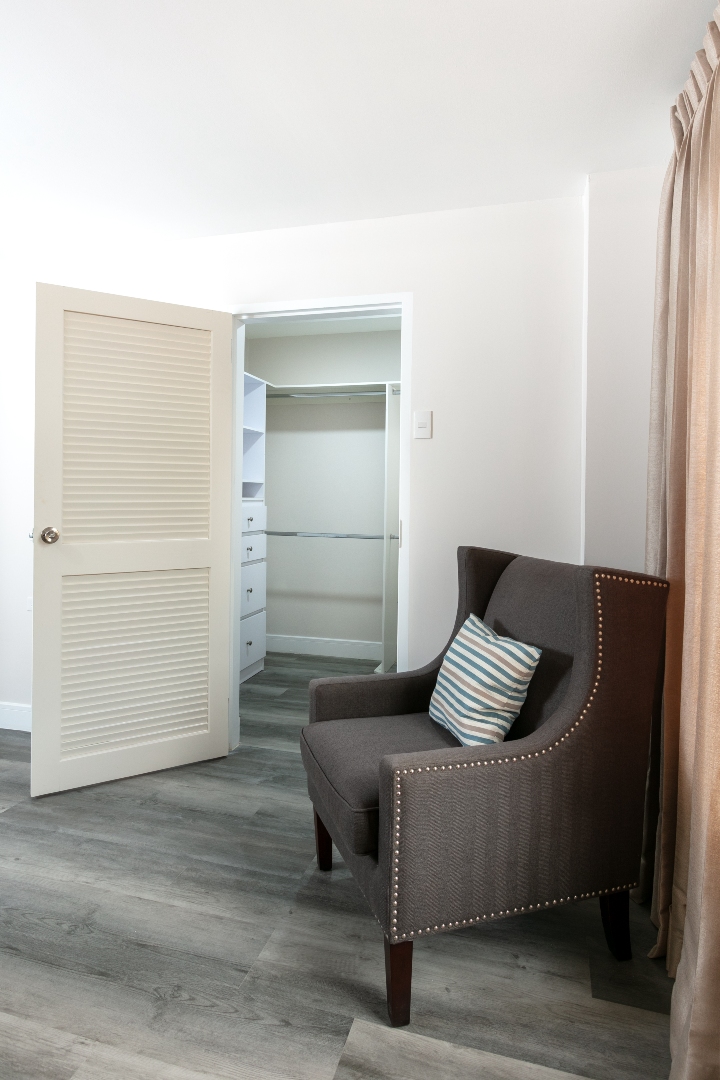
[(469, 834), (373, 695), (467, 837)]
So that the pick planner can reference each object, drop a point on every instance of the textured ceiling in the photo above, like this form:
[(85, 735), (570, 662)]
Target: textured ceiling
[(216, 116)]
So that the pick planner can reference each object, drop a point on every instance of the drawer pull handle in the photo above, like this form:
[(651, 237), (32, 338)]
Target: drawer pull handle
[(248, 590), (248, 643), (248, 548), (251, 519)]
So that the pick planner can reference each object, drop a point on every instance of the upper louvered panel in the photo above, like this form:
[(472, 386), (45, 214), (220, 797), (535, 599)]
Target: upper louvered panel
[(136, 430), (135, 654)]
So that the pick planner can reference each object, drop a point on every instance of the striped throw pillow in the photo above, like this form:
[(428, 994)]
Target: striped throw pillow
[(482, 683)]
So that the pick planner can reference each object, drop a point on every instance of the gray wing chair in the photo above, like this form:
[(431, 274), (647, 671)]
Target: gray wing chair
[(440, 836)]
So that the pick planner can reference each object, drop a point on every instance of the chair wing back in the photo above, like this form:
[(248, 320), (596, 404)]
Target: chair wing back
[(536, 602), (479, 570)]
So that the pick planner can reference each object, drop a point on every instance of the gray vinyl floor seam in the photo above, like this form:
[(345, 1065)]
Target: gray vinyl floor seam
[(174, 926)]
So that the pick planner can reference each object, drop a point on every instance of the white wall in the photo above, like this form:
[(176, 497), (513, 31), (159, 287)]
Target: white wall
[(496, 347), (621, 282), (325, 472), (16, 485), (496, 354), (325, 358)]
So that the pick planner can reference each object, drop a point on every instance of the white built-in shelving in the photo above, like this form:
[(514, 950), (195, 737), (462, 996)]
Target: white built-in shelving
[(254, 566), (253, 479)]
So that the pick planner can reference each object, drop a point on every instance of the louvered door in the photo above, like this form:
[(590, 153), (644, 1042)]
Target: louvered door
[(131, 607)]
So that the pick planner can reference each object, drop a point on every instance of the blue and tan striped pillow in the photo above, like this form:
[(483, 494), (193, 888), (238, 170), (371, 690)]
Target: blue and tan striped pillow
[(482, 684)]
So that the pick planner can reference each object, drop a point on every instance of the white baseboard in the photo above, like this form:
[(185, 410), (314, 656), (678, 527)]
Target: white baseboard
[(15, 717), (252, 669), (323, 646)]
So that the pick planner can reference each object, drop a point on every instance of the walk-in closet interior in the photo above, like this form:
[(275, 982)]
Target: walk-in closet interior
[(320, 532)]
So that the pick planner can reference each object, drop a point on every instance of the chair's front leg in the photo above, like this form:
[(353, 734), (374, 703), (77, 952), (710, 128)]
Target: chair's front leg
[(398, 975), (615, 911), (323, 844)]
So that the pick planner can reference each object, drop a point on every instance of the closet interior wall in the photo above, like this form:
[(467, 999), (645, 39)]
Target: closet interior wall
[(325, 471)]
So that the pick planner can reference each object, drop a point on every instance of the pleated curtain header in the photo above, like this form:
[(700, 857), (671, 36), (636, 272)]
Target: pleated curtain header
[(702, 67)]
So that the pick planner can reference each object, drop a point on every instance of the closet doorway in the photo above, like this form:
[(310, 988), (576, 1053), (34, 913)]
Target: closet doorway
[(318, 543)]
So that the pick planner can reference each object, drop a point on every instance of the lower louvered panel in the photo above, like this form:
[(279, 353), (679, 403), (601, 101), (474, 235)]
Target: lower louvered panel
[(135, 654)]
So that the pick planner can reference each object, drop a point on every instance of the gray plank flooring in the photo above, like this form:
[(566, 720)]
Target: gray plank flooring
[(401, 1055), (174, 926), (273, 720)]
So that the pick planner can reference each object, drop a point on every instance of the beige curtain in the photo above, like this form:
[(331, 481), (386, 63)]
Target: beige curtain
[(683, 544)]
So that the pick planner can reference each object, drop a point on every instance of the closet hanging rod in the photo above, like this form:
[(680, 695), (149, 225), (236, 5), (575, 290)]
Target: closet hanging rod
[(334, 393), (335, 536)]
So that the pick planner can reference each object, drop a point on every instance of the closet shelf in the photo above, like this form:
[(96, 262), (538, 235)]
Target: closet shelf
[(335, 536), (332, 394)]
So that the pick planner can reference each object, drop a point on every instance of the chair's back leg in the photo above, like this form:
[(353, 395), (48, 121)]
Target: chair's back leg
[(323, 844), (398, 975), (615, 911)]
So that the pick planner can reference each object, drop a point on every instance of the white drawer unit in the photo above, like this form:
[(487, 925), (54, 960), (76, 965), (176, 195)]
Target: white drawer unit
[(252, 639), (252, 587), (254, 547), (254, 517)]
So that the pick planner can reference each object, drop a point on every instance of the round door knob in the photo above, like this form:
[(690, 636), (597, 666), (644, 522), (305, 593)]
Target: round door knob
[(50, 535)]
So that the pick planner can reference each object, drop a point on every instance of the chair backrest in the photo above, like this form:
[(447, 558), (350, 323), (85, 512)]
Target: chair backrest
[(536, 601)]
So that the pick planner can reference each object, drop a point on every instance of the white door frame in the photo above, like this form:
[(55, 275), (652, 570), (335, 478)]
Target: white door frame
[(345, 305)]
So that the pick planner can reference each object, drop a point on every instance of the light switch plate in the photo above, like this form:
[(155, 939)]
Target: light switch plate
[(422, 425)]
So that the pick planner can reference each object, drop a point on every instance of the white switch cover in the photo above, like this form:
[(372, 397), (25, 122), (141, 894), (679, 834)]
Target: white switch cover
[(422, 425)]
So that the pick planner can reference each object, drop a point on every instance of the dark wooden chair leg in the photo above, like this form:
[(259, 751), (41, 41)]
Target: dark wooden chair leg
[(615, 911), (398, 975), (323, 844)]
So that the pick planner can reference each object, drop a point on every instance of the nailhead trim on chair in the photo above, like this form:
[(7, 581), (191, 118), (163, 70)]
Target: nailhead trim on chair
[(500, 761)]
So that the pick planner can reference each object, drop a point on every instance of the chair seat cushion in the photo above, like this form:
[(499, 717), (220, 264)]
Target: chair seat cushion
[(342, 760)]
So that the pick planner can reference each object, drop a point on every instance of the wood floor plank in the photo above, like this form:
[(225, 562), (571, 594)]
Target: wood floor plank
[(532, 1019), (144, 847), (187, 805), (14, 783), (14, 745), (199, 1023), (640, 982), (32, 1051), (80, 922), (108, 1063), (286, 1029), (373, 1051), (239, 886), (274, 722)]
